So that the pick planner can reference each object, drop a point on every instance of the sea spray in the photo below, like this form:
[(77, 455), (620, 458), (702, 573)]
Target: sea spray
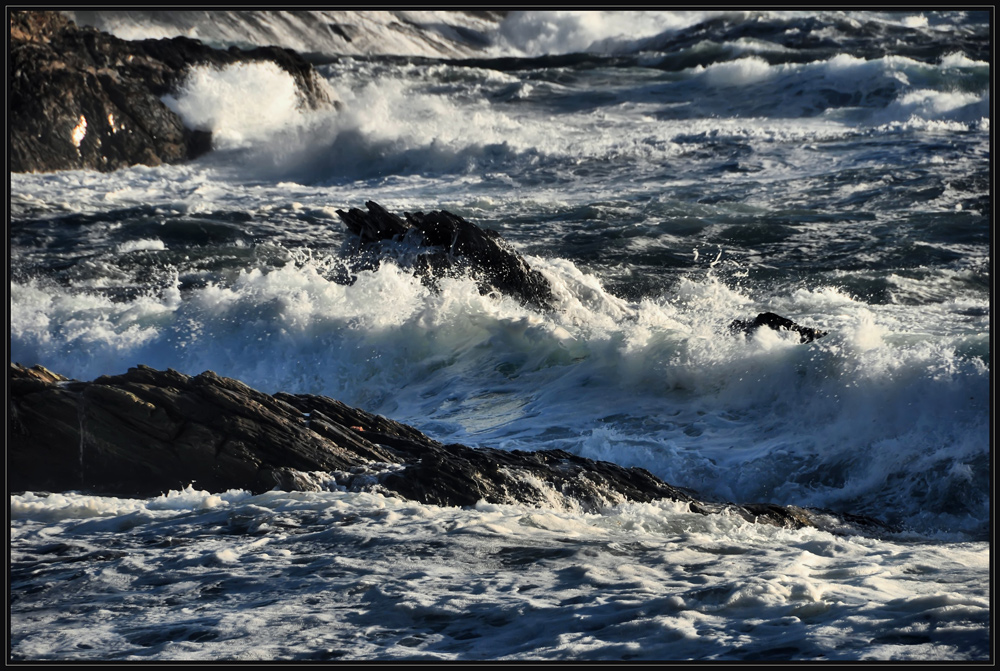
[(803, 413), (690, 169)]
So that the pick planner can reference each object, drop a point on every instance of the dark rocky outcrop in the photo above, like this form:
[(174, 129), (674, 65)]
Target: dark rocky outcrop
[(83, 99), (148, 431), (447, 243), (776, 323)]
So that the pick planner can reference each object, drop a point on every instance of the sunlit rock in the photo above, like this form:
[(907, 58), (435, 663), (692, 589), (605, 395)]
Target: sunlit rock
[(148, 431)]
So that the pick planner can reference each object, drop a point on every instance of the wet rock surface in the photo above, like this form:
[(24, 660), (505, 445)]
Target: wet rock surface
[(445, 243), (83, 99), (776, 322), (149, 431)]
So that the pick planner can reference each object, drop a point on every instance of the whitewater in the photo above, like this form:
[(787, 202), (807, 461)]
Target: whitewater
[(667, 173)]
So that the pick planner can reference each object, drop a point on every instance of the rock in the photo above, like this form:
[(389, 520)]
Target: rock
[(375, 224), (83, 99), (149, 431), (777, 323), (448, 244)]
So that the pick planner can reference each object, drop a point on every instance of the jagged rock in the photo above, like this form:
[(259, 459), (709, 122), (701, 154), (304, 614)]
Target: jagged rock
[(148, 431), (83, 99), (448, 244), (777, 323), (375, 224)]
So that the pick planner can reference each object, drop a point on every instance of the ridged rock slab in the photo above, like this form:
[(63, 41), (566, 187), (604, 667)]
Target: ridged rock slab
[(149, 431)]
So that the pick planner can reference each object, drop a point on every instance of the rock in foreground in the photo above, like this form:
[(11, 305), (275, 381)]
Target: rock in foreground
[(148, 431)]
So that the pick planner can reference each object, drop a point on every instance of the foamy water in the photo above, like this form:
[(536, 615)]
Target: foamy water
[(742, 418), (361, 576), (681, 176)]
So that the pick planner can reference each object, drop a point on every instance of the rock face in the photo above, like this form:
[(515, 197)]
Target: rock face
[(448, 243), (147, 431), (82, 99)]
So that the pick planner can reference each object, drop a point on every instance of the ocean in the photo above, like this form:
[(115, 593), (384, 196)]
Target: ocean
[(667, 173)]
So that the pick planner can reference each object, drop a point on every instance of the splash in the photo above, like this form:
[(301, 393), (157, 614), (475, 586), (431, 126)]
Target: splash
[(562, 32), (215, 99)]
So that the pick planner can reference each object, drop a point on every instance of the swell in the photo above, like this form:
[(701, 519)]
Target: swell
[(656, 383), (550, 127)]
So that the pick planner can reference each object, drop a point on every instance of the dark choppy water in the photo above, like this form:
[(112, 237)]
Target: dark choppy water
[(830, 167)]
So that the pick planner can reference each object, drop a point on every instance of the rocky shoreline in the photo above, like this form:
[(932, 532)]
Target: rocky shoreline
[(148, 431), (83, 99)]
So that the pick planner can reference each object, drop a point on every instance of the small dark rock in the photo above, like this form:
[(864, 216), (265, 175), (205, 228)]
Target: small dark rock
[(777, 323), (447, 244)]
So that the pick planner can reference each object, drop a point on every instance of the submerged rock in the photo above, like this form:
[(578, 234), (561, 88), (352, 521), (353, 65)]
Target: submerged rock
[(776, 323), (83, 99), (447, 243), (149, 431)]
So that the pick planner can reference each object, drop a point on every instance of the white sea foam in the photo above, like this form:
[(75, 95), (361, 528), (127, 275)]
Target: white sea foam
[(915, 21), (398, 125), (214, 99), (739, 72), (53, 507), (392, 126), (359, 576), (844, 193), (960, 60), (415, 33), (598, 371), (560, 32), (930, 105), (148, 245), (474, 368)]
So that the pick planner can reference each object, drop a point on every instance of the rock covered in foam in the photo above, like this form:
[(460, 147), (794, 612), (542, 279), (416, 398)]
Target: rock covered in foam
[(149, 431), (83, 99), (447, 243), (776, 323)]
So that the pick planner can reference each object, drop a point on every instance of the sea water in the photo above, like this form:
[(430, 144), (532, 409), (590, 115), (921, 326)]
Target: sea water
[(667, 173)]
